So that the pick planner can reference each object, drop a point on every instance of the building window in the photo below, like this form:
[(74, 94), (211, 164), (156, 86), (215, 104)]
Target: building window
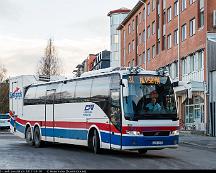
[(144, 57), (129, 28), (144, 14), (169, 41), (153, 27), (133, 63), (158, 47), (133, 25), (116, 39), (200, 60), (192, 27), (164, 4), (140, 17), (158, 8), (164, 43), (184, 66), (192, 1), (144, 36), (129, 48), (148, 9), (153, 51), (140, 38), (201, 13), (148, 55), (184, 5), (133, 44), (153, 4), (176, 37), (149, 31), (176, 8), (184, 32), (164, 17), (169, 14), (139, 60), (191, 63)]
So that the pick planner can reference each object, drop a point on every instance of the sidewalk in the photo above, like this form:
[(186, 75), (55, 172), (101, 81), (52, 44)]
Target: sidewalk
[(197, 140)]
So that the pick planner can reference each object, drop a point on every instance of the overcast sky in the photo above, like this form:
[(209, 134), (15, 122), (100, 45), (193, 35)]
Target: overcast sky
[(77, 27)]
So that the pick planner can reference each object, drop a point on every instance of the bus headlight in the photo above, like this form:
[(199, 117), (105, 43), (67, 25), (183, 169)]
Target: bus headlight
[(174, 133), (133, 132)]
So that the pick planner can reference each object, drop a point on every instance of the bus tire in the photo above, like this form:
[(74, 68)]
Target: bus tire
[(95, 142), (142, 151), (37, 137), (28, 136)]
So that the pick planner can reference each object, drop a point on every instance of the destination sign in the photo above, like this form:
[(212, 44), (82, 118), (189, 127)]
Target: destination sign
[(150, 80)]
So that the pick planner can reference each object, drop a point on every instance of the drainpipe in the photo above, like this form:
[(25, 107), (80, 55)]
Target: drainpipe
[(178, 41), (145, 32)]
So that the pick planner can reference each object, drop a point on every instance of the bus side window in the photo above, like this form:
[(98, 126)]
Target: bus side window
[(67, 92), (115, 114), (40, 94), (30, 96), (100, 92), (83, 89)]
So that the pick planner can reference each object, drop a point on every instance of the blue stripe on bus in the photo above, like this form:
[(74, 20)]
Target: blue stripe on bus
[(12, 122), (65, 133), (20, 128)]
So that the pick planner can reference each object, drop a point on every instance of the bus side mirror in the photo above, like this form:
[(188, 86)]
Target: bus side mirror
[(124, 83), (175, 84)]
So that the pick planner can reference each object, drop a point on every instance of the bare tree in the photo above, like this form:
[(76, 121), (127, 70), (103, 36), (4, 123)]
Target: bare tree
[(4, 90), (49, 64), (3, 73)]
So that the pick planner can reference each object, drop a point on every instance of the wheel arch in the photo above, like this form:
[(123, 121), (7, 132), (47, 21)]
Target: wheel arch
[(26, 127), (37, 125), (91, 130)]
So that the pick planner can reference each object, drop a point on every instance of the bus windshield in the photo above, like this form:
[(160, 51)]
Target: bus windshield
[(150, 97)]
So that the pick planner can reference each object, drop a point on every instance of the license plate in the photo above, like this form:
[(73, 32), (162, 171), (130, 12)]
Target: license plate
[(157, 142)]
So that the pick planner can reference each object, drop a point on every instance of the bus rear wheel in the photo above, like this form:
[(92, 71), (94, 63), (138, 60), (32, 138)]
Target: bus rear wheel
[(28, 136), (142, 151), (37, 137), (95, 142)]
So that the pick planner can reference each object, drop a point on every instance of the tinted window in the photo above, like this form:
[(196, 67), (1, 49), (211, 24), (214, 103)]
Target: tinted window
[(100, 93), (40, 94), (115, 81), (51, 92), (83, 89), (68, 91), (30, 96)]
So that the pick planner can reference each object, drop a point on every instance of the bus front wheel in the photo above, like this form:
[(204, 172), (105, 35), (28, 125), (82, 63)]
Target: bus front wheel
[(37, 137)]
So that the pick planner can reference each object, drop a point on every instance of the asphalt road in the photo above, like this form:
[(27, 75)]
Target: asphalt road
[(16, 154)]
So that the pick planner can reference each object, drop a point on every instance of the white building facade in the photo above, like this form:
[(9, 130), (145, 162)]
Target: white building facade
[(116, 17)]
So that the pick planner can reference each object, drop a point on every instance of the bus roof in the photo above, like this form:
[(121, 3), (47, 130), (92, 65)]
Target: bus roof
[(101, 72)]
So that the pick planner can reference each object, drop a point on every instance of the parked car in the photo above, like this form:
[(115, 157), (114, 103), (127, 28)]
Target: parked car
[(4, 121)]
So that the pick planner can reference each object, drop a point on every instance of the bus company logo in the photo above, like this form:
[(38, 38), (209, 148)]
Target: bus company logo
[(16, 94), (88, 110)]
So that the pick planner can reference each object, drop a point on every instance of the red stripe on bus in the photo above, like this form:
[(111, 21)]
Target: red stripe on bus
[(101, 126)]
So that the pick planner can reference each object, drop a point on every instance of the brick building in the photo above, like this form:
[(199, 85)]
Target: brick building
[(173, 34)]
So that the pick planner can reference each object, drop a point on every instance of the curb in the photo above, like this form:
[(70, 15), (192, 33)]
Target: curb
[(194, 144)]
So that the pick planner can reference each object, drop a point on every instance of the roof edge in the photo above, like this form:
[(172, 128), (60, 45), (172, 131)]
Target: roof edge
[(130, 14)]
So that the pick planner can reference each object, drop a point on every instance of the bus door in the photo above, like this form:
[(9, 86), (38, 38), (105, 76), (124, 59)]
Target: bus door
[(115, 119), (50, 115)]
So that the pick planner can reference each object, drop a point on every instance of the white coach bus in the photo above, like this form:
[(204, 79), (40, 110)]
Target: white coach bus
[(115, 108)]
